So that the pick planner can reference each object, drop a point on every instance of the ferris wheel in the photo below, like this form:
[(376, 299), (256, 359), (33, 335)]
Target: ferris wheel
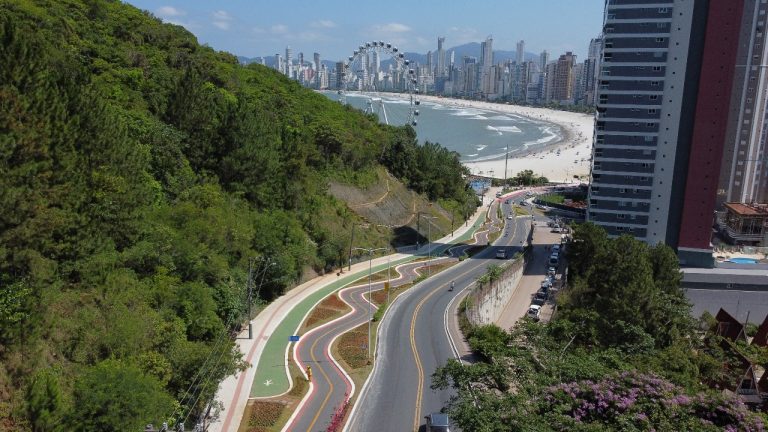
[(403, 76)]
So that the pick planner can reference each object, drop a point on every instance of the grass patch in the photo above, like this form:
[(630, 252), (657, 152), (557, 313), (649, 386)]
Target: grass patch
[(552, 198), (376, 277), (519, 211)]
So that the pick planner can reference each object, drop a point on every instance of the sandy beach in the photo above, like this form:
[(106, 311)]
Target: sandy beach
[(559, 161)]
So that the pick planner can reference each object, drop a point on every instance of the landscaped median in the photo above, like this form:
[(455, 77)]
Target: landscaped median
[(271, 375)]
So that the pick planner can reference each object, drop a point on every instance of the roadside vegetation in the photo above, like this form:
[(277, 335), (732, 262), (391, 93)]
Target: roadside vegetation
[(622, 353), (141, 171)]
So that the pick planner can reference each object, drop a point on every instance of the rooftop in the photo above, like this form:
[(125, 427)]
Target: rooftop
[(748, 209)]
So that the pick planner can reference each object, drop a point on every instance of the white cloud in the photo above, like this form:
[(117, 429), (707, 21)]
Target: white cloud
[(221, 15), (279, 29), (222, 19), (391, 28), (323, 24), (258, 30), (169, 11)]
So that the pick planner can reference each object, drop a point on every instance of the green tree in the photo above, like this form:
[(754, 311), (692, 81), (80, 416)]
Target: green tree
[(46, 407), (114, 396)]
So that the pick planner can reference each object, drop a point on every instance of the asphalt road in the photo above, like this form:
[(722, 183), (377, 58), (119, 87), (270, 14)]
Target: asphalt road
[(413, 343), (331, 386)]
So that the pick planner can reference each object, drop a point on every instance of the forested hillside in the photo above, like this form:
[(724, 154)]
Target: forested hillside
[(139, 174)]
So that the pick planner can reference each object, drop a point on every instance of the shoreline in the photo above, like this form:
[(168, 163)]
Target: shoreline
[(558, 161)]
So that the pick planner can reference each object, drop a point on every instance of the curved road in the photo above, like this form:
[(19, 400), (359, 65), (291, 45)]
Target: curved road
[(413, 342), (330, 385)]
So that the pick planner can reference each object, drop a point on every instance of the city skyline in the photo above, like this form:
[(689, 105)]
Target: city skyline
[(333, 31)]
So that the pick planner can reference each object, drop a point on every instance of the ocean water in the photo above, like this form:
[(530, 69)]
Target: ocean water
[(477, 135)]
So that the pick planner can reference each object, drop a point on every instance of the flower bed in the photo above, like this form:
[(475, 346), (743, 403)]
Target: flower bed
[(329, 308), (264, 415), (353, 347)]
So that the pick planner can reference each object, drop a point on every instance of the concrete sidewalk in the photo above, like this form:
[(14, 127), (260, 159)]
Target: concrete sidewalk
[(282, 318)]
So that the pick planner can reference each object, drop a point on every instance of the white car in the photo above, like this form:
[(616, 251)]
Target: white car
[(534, 311), (510, 216)]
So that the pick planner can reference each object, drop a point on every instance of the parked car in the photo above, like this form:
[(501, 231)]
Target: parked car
[(438, 422), (510, 216), (556, 248), (546, 284), (551, 271), (534, 311)]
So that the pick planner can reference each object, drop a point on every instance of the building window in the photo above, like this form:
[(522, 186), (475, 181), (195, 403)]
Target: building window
[(652, 111), (619, 216), (659, 40), (622, 190), (620, 228), (648, 138), (654, 83), (622, 203), (657, 68), (663, 10), (649, 124), (646, 165), (653, 97)]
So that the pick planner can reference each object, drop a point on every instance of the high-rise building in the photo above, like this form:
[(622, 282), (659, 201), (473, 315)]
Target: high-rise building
[(318, 76), (579, 78), (279, 63), (744, 176), (288, 71), (486, 61), (543, 60), (520, 57), (591, 68), (429, 60), (562, 83), (340, 75), (441, 67), (662, 125)]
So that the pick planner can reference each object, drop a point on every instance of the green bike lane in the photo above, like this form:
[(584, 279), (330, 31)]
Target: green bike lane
[(271, 375)]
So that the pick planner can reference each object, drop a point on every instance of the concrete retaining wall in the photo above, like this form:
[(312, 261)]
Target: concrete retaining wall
[(486, 302)]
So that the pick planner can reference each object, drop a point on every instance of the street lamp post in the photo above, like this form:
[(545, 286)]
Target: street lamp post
[(389, 266), (370, 298), (429, 240)]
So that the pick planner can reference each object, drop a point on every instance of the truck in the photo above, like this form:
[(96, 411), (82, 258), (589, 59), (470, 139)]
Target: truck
[(501, 253)]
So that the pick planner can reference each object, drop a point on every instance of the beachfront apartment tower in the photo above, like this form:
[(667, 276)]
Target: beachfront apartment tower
[(665, 80), (562, 82), (744, 178)]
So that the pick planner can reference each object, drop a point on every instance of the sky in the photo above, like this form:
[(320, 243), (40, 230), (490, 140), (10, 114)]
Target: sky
[(334, 28)]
